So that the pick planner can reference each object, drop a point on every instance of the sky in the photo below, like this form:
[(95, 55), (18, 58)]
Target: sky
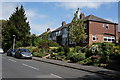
[(43, 15)]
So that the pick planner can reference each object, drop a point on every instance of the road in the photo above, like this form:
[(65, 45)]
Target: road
[(25, 68)]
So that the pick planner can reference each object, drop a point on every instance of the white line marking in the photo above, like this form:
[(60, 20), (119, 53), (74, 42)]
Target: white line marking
[(55, 75), (30, 66), (3, 57), (12, 60)]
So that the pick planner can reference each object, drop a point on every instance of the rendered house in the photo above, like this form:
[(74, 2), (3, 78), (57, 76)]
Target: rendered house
[(97, 29)]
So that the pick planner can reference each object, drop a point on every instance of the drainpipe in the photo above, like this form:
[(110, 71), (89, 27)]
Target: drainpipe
[(115, 32)]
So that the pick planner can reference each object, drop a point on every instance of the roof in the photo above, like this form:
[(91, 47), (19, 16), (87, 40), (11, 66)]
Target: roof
[(61, 27), (95, 18), (91, 18)]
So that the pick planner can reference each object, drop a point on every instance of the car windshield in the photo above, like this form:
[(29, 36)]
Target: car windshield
[(12, 50), (25, 50)]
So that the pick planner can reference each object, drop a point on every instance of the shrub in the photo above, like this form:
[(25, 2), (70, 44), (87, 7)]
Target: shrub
[(61, 53), (58, 56), (87, 61), (69, 55), (77, 57), (72, 49), (52, 43), (66, 49), (42, 55), (35, 54), (78, 49), (60, 49)]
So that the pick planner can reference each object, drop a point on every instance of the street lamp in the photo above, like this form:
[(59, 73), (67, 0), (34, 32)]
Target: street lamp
[(14, 41)]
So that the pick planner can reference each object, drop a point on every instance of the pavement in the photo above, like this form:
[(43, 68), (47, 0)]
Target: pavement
[(93, 69)]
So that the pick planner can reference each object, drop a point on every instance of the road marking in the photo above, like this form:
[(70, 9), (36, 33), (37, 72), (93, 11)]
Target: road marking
[(12, 60), (30, 66), (55, 75), (3, 57)]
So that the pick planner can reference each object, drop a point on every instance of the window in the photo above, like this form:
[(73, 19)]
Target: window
[(103, 25), (107, 26), (85, 25), (94, 38), (109, 39)]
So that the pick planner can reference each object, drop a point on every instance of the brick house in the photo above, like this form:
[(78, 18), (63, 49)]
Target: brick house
[(97, 29), (119, 36)]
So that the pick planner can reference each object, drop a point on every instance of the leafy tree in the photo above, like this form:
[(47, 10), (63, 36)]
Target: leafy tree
[(44, 36), (76, 30)]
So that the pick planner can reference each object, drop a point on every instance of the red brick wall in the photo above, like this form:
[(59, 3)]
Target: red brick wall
[(96, 28)]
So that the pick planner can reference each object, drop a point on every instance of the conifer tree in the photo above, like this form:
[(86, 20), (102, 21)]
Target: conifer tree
[(19, 26)]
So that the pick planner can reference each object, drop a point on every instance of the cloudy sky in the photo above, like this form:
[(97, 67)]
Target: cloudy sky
[(43, 15)]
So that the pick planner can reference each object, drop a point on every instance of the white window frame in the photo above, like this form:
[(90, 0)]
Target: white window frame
[(103, 25), (111, 38), (94, 36)]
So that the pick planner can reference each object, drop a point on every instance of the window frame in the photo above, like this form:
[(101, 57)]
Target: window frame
[(107, 26), (94, 36)]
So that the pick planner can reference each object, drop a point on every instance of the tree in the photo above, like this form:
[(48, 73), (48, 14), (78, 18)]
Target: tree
[(76, 30), (44, 35), (17, 25)]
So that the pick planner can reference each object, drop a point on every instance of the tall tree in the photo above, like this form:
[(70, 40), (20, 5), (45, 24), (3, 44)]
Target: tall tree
[(76, 30), (17, 25)]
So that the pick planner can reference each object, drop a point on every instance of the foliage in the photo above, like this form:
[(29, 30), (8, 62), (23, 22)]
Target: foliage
[(72, 49), (77, 29), (69, 55), (75, 57), (59, 56), (60, 49), (87, 61), (78, 49), (52, 43), (16, 25), (44, 36), (66, 49)]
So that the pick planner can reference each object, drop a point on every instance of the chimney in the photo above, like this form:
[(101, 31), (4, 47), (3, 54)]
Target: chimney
[(82, 15), (48, 29), (63, 23)]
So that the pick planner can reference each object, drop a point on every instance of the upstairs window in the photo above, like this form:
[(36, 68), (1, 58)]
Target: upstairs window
[(103, 25), (107, 26)]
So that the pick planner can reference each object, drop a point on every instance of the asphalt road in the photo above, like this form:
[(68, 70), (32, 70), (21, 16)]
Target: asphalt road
[(25, 68)]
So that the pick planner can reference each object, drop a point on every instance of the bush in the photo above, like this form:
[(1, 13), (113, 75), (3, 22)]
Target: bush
[(77, 57), (58, 56), (42, 55), (52, 43), (60, 49), (61, 53), (31, 49), (72, 49), (35, 54), (69, 55), (87, 61), (78, 49), (66, 49)]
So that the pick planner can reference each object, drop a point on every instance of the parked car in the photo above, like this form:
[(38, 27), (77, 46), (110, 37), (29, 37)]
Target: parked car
[(23, 53), (11, 52), (1, 51)]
